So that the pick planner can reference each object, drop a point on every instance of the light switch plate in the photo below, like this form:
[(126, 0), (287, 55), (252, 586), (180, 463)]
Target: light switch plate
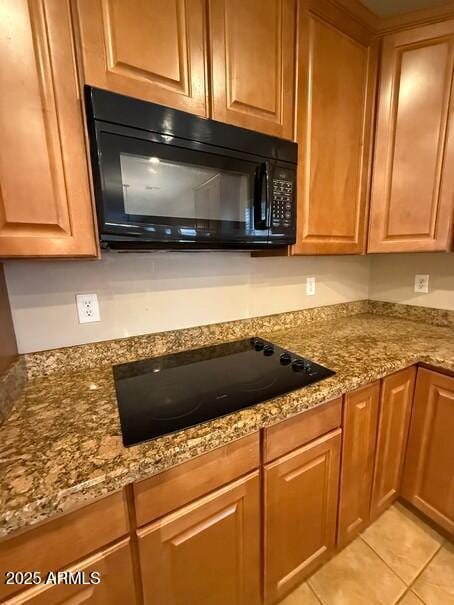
[(310, 286), (87, 308), (422, 283)]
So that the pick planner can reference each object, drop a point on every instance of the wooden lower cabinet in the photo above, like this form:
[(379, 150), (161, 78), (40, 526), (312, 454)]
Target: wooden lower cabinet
[(358, 453), (429, 468), (207, 553), (55, 545), (393, 423), (116, 585), (300, 508)]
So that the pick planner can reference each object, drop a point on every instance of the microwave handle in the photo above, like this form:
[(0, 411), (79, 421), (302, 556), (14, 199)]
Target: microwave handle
[(261, 213)]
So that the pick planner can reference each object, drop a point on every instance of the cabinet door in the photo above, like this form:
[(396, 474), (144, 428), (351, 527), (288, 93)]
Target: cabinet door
[(206, 553), (394, 419), (413, 183), (149, 50), (301, 495), (45, 204), (253, 64), (334, 123), (358, 453), (429, 468), (114, 569)]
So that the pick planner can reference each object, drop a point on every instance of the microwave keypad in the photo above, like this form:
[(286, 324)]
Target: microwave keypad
[(282, 203)]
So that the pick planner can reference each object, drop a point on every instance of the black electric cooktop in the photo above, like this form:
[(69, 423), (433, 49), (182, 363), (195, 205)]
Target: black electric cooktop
[(165, 394)]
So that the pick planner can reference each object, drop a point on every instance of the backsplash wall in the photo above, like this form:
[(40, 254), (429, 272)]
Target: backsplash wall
[(392, 279), (145, 293)]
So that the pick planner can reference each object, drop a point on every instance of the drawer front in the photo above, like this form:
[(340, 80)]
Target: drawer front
[(61, 541), (299, 430), (114, 570), (167, 491)]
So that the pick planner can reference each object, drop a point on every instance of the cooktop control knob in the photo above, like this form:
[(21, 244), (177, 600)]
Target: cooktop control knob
[(298, 365), (268, 350), (257, 344), (285, 359)]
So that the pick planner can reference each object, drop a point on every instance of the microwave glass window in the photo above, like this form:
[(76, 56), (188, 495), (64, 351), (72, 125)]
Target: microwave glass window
[(154, 186)]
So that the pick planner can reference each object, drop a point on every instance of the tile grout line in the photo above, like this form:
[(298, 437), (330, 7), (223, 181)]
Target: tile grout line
[(408, 587), (425, 567), (313, 591), (381, 559)]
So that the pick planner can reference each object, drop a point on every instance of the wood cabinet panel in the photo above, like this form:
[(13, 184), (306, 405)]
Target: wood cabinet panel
[(8, 346), (413, 183), (429, 468), (45, 203), (206, 553), (159, 495), (116, 586), (149, 50), (334, 122), (298, 430), (59, 542), (253, 64), (396, 400), (300, 507), (358, 453)]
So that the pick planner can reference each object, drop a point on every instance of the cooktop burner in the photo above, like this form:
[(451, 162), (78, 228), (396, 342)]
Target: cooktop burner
[(165, 394)]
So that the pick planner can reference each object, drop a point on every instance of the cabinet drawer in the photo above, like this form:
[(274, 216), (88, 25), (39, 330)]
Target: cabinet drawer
[(287, 435), (61, 541), (163, 493), (116, 586)]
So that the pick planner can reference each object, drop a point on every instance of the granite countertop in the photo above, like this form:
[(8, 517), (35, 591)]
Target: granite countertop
[(62, 444)]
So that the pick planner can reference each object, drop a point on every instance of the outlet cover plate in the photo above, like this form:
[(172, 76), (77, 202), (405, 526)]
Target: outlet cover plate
[(422, 283), (310, 286), (87, 308)]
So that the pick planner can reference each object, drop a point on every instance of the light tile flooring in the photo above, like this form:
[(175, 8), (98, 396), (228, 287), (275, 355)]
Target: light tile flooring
[(398, 559)]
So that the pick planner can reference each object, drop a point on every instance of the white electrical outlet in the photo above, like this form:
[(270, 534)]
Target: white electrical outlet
[(422, 283), (87, 308), (310, 286)]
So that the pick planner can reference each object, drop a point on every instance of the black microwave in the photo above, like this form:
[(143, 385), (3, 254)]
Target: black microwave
[(166, 179)]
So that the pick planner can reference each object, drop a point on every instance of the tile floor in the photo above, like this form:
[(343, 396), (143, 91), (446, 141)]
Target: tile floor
[(398, 559)]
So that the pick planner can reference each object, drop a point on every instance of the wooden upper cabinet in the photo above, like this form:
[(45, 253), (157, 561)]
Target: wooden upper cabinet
[(45, 203), (334, 120), (206, 553), (151, 50), (358, 454), (413, 183), (429, 468), (394, 419), (300, 507), (253, 64)]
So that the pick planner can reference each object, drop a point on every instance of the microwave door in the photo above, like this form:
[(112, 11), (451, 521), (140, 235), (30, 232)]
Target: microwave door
[(164, 193)]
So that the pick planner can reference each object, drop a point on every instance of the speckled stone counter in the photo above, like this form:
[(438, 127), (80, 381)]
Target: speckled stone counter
[(62, 444)]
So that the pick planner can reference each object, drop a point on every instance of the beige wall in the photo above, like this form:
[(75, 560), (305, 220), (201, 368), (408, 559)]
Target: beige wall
[(143, 293), (392, 279)]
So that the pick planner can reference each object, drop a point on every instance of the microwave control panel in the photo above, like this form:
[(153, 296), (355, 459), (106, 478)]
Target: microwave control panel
[(282, 203)]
